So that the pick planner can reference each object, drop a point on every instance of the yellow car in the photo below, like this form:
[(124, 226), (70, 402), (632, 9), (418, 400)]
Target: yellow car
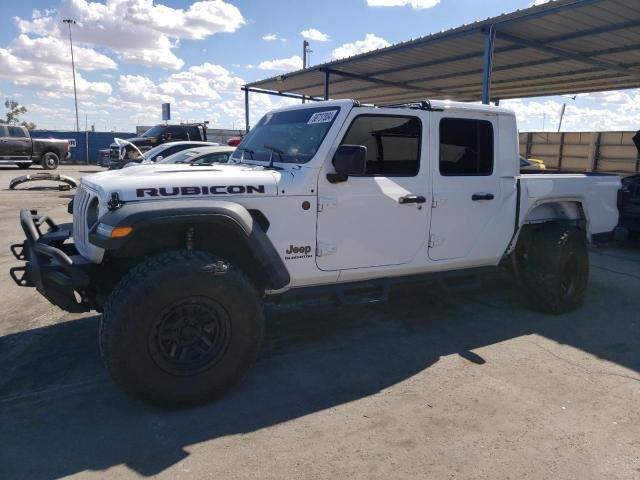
[(531, 165)]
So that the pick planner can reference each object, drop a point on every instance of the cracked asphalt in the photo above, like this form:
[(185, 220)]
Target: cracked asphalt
[(429, 385)]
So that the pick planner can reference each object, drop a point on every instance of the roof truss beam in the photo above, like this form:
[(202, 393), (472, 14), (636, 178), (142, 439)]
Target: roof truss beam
[(381, 82), (560, 52)]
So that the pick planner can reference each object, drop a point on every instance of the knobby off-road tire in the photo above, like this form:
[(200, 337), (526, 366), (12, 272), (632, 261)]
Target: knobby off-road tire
[(50, 161), (179, 330), (554, 270)]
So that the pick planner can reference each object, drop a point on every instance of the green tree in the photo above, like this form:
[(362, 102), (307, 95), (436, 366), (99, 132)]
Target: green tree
[(14, 110)]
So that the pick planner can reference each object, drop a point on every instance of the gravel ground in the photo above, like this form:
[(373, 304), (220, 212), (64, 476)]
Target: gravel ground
[(430, 385)]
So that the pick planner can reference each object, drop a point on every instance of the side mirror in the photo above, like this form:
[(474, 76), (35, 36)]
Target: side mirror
[(348, 160), (158, 158)]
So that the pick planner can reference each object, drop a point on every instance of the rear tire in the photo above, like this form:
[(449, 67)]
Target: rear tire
[(552, 266), (178, 331), (50, 161)]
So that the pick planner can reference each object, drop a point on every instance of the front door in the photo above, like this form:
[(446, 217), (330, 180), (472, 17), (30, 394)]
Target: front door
[(19, 144), (466, 186), (379, 218)]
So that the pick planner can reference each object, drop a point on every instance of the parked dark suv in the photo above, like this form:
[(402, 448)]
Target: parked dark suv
[(123, 154)]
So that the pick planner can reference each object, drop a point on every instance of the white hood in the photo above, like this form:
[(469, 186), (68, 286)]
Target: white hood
[(148, 182)]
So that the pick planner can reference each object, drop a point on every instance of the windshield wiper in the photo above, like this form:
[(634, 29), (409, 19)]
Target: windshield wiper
[(244, 149), (273, 150)]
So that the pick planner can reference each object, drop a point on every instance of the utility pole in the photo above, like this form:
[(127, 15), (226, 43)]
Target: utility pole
[(305, 54), (70, 21), (564, 108)]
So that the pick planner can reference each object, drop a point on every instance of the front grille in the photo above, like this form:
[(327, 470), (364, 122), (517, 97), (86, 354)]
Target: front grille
[(80, 206)]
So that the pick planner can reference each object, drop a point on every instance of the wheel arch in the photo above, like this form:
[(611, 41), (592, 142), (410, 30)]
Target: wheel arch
[(559, 210), (566, 210), (224, 228)]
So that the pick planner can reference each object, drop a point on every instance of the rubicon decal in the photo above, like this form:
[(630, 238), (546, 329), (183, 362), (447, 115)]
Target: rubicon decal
[(205, 190), (296, 253)]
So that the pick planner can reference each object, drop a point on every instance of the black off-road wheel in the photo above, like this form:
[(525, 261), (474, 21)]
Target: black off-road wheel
[(181, 328), (50, 161), (552, 267)]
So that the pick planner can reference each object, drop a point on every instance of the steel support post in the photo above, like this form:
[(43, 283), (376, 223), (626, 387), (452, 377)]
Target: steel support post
[(327, 75), (489, 40), (246, 110)]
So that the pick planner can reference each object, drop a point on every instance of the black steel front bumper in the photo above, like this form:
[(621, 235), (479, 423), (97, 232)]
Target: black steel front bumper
[(52, 266)]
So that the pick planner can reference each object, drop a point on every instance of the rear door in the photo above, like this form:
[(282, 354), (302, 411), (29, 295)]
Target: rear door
[(6, 148), (466, 184)]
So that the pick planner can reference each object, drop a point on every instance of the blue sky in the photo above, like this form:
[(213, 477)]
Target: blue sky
[(132, 55)]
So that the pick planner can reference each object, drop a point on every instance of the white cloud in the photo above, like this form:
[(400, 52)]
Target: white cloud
[(270, 37), (416, 4), (53, 50), (370, 42), (140, 31), (286, 64), (202, 81), (138, 88), (602, 111), (48, 78), (314, 34)]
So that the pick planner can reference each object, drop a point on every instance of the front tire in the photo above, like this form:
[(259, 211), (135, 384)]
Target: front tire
[(552, 266), (181, 328), (50, 161)]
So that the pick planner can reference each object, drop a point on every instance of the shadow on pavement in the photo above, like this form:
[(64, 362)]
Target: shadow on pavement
[(61, 415)]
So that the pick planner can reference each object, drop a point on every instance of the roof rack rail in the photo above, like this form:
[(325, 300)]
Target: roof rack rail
[(421, 105)]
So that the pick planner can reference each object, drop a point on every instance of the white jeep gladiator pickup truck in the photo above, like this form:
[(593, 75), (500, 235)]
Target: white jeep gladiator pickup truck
[(178, 258)]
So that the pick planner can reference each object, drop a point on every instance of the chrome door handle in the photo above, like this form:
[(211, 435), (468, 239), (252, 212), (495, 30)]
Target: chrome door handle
[(412, 199), (482, 196)]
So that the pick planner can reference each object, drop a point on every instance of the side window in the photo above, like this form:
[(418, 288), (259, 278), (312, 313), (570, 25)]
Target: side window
[(393, 143), (193, 133), (17, 132), (177, 133), (466, 147)]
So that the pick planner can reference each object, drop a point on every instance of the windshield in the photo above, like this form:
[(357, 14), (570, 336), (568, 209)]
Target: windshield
[(296, 133), (154, 131), (185, 156), (153, 152)]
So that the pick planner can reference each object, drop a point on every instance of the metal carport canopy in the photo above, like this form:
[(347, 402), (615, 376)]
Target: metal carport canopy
[(564, 46)]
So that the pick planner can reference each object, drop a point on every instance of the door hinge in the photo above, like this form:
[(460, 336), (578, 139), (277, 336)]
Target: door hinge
[(435, 241), (325, 203), (325, 248)]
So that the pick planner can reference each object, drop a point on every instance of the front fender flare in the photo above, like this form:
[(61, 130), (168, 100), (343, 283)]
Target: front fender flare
[(231, 215)]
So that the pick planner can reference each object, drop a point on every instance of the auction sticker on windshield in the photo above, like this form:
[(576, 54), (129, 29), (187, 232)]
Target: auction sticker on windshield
[(322, 117)]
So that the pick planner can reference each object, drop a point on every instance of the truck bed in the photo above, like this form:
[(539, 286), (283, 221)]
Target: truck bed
[(595, 194)]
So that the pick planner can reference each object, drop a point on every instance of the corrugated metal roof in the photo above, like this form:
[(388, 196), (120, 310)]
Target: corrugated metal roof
[(564, 46)]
